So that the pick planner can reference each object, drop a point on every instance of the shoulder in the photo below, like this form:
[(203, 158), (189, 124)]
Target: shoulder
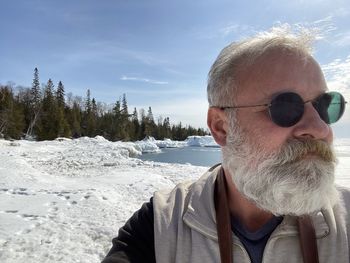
[(135, 240), (170, 204), (344, 195), (178, 195)]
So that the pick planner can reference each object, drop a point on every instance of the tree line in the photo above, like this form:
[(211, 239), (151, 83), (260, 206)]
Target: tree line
[(46, 113)]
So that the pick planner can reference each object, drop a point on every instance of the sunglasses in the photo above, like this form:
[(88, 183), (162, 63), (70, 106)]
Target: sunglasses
[(287, 109)]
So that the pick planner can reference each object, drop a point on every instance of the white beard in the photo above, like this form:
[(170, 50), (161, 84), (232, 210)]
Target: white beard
[(284, 182)]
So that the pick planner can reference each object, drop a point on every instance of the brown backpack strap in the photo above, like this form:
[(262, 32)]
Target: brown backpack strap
[(307, 234), (307, 238), (223, 221)]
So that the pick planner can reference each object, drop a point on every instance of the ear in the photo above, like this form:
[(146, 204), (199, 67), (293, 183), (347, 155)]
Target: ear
[(217, 123)]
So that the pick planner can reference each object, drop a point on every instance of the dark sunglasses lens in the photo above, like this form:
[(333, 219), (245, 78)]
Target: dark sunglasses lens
[(330, 106), (286, 109)]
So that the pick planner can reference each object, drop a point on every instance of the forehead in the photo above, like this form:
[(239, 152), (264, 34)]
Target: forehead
[(279, 72)]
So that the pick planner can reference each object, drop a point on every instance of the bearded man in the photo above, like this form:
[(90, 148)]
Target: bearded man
[(273, 199)]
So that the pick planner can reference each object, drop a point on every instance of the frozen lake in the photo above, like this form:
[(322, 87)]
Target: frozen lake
[(202, 156)]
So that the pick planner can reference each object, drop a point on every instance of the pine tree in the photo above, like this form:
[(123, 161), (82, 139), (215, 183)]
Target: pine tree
[(48, 128), (150, 124), (60, 95), (167, 128), (150, 115), (116, 109), (24, 102), (88, 123), (75, 118), (135, 131), (115, 119), (143, 123), (91, 119), (88, 102), (11, 115), (124, 109), (125, 125), (62, 124), (35, 91), (35, 103)]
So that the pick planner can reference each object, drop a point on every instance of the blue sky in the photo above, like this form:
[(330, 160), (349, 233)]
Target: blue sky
[(157, 52)]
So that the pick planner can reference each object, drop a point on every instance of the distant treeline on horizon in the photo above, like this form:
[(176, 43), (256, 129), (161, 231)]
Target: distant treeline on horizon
[(47, 113)]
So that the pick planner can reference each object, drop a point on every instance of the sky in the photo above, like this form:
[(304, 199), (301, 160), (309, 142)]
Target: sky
[(157, 52)]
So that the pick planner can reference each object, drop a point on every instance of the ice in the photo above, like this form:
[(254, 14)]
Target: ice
[(204, 141), (64, 200), (149, 144)]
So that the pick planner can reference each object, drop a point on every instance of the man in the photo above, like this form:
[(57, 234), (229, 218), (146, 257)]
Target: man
[(270, 111)]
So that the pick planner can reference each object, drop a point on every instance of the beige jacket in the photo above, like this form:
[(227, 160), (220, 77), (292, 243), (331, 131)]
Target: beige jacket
[(185, 228)]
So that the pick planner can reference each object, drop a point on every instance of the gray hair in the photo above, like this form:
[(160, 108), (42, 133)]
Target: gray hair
[(238, 55)]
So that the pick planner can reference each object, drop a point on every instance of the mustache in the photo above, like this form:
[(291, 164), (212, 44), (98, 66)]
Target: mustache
[(297, 150)]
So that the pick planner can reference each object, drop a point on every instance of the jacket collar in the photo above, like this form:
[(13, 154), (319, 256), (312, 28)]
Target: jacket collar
[(200, 211)]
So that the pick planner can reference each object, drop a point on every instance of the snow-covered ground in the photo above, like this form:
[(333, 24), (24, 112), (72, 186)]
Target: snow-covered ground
[(64, 200)]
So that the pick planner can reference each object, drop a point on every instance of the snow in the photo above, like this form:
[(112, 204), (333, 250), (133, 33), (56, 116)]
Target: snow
[(201, 141), (167, 143), (150, 144), (64, 200)]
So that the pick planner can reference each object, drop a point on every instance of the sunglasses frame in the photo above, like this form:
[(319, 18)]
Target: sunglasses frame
[(268, 106)]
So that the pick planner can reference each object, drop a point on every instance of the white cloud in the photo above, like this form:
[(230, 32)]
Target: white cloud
[(107, 51), (234, 28), (337, 74), (144, 80), (342, 39), (223, 31)]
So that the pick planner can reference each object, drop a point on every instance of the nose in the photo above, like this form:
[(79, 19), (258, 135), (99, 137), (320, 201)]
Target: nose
[(311, 126)]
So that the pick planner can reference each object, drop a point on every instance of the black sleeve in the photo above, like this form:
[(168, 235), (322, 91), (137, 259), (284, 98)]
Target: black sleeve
[(135, 240)]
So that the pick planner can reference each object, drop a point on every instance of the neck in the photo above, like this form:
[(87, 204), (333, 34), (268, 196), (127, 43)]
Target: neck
[(251, 216)]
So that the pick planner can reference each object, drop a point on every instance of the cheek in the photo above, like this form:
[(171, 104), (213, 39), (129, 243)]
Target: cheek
[(262, 134), (268, 140), (330, 136)]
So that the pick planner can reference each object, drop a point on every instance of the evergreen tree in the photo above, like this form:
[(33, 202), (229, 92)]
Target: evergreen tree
[(11, 115), (116, 109), (62, 123), (143, 121), (88, 125), (88, 102), (91, 119), (94, 107), (135, 126), (150, 115), (49, 126), (35, 103), (35, 91), (150, 126), (60, 95), (124, 123), (115, 123), (167, 128), (24, 103), (124, 109), (74, 119)]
